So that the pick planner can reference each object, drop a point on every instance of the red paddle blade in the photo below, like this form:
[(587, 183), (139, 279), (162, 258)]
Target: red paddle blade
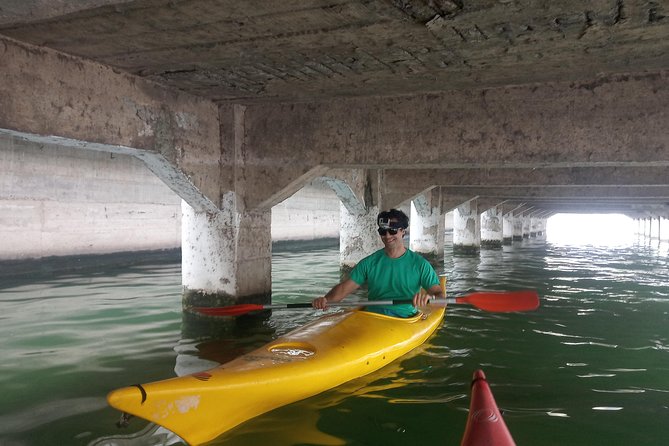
[(232, 310), (502, 301)]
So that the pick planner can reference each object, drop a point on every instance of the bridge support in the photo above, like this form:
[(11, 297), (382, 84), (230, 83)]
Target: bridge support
[(466, 228), (517, 228), (508, 221), (492, 233), (357, 189), (226, 256), (427, 224), (358, 237), (527, 220), (538, 225)]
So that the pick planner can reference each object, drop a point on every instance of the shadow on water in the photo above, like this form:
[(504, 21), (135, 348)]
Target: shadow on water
[(219, 340), (29, 271)]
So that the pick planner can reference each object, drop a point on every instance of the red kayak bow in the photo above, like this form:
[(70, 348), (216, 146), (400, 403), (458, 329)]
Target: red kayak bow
[(485, 425)]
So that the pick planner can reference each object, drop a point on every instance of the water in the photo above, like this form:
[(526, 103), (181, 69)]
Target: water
[(589, 367)]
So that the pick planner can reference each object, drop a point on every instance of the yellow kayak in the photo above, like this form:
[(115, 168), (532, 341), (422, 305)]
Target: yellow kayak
[(323, 354)]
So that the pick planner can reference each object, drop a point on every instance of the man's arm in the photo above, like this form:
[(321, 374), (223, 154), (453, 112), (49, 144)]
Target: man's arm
[(336, 294)]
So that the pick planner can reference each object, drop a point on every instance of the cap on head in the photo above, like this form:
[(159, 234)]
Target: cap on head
[(393, 219)]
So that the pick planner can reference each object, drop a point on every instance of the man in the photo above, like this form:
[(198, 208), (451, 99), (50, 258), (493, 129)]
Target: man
[(392, 272)]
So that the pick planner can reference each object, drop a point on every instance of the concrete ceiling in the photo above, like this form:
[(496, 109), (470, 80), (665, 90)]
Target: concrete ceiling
[(259, 50), (315, 50)]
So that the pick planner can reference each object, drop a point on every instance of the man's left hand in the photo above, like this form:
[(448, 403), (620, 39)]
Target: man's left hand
[(421, 300)]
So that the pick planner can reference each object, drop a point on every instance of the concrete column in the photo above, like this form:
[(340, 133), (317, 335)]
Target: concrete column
[(644, 227), (226, 256), (654, 228), (526, 225), (358, 236), (540, 226), (518, 228), (427, 224), (358, 192), (508, 221), (641, 227), (492, 233), (534, 223), (466, 228)]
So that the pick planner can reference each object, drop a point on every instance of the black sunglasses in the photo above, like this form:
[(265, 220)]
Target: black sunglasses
[(391, 231)]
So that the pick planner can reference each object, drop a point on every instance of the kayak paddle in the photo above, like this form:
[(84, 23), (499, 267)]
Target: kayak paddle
[(497, 301)]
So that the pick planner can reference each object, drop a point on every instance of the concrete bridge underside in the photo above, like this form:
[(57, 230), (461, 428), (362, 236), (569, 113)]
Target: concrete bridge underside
[(528, 108)]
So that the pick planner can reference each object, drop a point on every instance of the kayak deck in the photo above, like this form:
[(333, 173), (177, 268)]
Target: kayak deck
[(323, 354)]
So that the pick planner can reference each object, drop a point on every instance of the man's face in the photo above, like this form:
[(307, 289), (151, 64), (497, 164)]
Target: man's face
[(391, 232)]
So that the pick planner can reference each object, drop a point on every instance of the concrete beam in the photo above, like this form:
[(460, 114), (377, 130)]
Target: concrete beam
[(421, 179), (618, 121), (450, 202), (485, 203), (357, 189), (573, 192), (46, 96), (595, 206)]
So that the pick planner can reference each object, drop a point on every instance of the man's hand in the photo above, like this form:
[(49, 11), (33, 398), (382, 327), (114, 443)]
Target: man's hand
[(320, 303), (336, 294), (421, 300)]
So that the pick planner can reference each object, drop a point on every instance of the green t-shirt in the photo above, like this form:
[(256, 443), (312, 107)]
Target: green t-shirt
[(388, 278)]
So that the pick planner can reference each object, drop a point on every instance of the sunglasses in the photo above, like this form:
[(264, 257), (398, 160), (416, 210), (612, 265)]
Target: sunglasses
[(391, 231)]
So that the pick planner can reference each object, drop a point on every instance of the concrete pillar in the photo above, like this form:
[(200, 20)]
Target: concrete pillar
[(654, 228), (533, 225), (508, 221), (466, 228), (358, 236), (540, 226), (358, 192), (518, 228), (492, 233), (641, 226), (427, 224), (526, 218), (226, 256)]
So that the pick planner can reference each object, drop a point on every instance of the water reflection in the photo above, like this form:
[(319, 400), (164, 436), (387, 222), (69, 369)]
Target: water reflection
[(208, 341)]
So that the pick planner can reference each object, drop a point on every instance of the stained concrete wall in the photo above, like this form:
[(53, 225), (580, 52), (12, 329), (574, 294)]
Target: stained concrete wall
[(311, 213), (57, 201)]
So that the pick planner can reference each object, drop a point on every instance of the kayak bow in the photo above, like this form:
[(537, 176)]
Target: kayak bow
[(485, 425)]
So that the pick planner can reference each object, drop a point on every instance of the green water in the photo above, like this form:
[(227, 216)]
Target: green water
[(591, 366)]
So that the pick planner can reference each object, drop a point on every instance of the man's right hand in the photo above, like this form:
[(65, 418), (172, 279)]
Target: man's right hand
[(320, 303)]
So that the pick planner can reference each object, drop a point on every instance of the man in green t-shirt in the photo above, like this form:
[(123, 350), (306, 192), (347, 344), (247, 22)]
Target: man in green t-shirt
[(392, 272)]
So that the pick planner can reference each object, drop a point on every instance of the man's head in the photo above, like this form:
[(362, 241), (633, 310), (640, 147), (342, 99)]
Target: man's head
[(391, 221)]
